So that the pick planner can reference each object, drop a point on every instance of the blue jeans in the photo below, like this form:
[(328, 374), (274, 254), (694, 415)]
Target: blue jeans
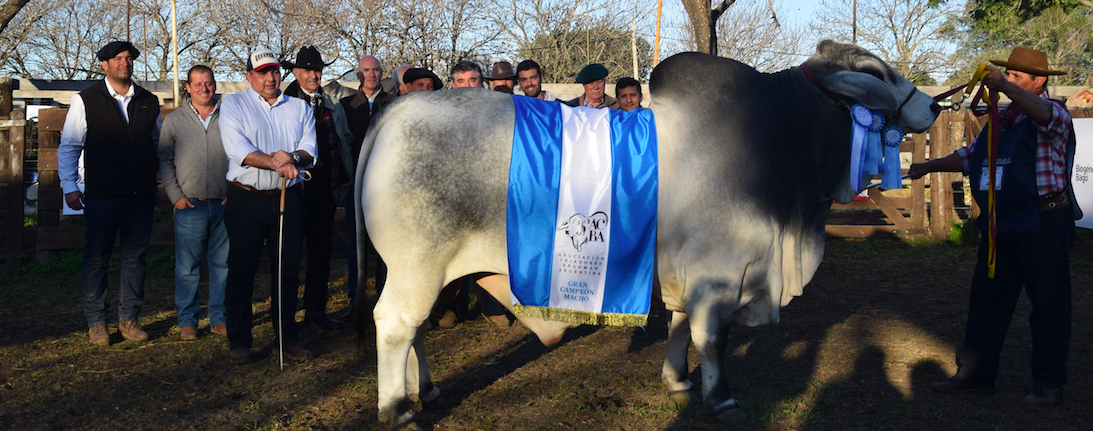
[(195, 229)]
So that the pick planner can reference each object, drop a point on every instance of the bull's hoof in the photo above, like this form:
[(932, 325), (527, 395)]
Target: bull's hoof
[(731, 414), (682, 398), (412, 426)]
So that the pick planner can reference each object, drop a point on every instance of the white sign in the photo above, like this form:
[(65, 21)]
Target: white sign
[(1082, 176)]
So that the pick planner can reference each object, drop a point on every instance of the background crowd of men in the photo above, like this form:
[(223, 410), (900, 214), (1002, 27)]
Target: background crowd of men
[(234, 170)]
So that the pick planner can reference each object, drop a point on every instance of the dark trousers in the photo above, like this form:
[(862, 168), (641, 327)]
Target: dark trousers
[(252, 222), (319, 209), (351, 242), (369, 250), (461, 303), (1040, 264), (106, 217)]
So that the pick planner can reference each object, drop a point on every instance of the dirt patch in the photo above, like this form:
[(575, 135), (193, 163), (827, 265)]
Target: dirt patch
[(876, 326)]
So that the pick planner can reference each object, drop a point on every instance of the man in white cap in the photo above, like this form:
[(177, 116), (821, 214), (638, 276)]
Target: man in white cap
[(268, 137), (1035, 216), (115, 123)]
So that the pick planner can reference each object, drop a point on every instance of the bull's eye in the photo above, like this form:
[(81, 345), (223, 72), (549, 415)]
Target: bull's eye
[(876, 73)]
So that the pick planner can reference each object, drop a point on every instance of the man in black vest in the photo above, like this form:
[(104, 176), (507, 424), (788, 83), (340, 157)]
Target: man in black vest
[(116, 125)]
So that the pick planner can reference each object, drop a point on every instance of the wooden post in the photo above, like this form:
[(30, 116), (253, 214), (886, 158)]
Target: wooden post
[(941, 195), (918, 187), (50, 197), (5, 96), (11, 188)]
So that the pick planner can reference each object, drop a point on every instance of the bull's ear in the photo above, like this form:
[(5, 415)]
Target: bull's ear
[(564, 226), (863, 87)]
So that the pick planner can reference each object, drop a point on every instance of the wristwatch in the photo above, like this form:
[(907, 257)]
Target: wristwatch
[(295, 159)]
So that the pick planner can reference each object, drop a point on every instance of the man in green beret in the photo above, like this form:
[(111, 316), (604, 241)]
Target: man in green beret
[(594, 79)]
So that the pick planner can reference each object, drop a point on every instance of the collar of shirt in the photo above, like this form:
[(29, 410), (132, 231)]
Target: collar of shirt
[(115, 94), (204, 121), (280, 98)]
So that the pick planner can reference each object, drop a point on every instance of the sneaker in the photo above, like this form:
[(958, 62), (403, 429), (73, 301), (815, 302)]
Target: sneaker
[(131, 331), (188, 333), (99, 335), (220, 328)]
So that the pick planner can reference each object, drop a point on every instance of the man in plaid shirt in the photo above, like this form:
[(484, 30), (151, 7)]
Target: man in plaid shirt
[(1035, 230)]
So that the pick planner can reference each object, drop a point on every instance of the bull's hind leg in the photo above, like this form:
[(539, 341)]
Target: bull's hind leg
[(675, 369), (709, 330), (419, 383), (400, 314)]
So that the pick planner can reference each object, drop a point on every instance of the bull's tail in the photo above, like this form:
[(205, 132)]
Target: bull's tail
[(363, 304)]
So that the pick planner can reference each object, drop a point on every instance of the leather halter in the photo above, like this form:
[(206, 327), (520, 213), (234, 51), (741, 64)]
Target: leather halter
[(815, 81)]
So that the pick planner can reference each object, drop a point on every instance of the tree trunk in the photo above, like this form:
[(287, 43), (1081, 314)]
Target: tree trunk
[(704, 22), (8, 11)]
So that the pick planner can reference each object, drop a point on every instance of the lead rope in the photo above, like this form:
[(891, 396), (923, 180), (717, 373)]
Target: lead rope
[(992, 160)]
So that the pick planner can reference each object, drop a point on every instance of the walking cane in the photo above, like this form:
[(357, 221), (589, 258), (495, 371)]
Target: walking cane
[(281, 268)]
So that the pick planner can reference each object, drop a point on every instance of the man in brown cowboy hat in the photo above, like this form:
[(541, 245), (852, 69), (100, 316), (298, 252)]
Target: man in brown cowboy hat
[(1035, 229), (502, 78), (330, 179)]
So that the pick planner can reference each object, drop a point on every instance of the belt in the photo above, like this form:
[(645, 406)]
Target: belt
[(1055, 200), (252, 189)]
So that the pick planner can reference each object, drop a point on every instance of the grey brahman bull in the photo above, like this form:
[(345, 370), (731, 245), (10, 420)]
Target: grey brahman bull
[(749, 165)]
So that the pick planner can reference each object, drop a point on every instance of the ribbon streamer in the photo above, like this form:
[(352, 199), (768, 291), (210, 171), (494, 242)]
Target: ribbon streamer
[(891, 176)]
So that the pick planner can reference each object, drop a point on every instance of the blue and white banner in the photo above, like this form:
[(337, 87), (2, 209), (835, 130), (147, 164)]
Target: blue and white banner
[(581, 216)]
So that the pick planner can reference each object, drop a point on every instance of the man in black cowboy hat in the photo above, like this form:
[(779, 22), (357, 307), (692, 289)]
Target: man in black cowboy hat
[(115, 123), (502, 78), (594, 79), (1035, 230), (331, 179)]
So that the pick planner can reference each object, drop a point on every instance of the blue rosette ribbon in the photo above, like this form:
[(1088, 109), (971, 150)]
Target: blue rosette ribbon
[(862, 119), (874, 152), (892, 177)]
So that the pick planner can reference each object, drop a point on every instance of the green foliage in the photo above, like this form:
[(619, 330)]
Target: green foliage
[(563, 53), (1060, 28), (991, 13), (962, 233)]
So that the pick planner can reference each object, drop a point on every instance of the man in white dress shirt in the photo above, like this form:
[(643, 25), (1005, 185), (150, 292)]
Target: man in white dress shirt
[(267, 137), (115, 123)]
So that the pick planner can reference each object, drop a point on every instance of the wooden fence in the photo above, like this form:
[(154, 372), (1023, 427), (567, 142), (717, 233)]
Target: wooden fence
[(13, 127), (911, 217)]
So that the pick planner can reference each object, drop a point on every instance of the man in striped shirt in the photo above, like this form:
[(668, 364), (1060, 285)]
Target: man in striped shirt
[(1034, 228)]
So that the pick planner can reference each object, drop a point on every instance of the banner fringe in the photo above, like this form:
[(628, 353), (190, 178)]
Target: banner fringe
[(581, 317)]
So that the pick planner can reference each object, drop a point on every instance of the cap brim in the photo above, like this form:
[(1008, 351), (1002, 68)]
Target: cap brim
[(1027, 69), (263, 67)]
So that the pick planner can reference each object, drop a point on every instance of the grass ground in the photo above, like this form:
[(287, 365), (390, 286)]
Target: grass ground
[(878, 324)]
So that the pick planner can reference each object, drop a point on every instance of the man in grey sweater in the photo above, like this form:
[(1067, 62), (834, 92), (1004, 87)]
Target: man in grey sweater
[(193, 167)]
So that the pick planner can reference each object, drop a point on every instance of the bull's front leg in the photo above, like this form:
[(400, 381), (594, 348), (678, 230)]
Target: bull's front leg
[(675, 368), (710, 319)]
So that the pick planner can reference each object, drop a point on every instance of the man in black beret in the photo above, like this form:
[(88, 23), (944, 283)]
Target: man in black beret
[(115, 124), (421, 79), (594, 79)]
